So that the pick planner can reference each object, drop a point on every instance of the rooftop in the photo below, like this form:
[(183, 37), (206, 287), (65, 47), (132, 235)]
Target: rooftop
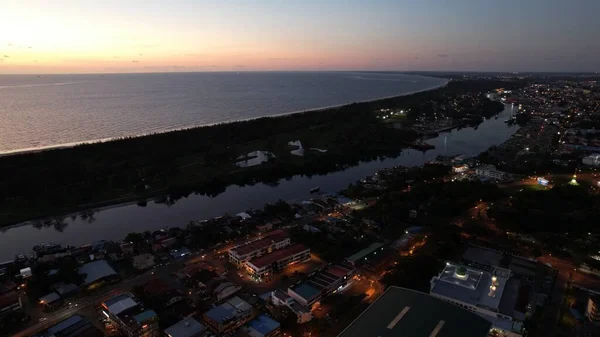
[(49, 298), (74, 326), (185, 328), (96, 270), (120, 303), (228, 310), (269, 239), (306, 291), (278, 255), (362, 253), (262, 326), (408, 313), (472, 286)]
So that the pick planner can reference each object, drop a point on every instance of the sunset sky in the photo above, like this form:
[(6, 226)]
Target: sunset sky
[(85, 36)]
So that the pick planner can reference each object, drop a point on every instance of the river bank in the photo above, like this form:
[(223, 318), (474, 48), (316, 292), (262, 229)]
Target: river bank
[(125, 170), (114, 223)]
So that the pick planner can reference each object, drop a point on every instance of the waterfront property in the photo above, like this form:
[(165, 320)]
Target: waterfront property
[(130, 317), (262, 268), (409, 313), (228, 316), (328, 281), (493, 295), (274, 240)]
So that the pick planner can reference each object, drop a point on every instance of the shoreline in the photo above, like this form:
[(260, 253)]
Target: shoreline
[(110, 139)]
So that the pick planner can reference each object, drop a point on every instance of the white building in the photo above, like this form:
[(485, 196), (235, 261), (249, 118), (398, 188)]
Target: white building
[(280, 298), (490, 171), (274, 240), (492, 295)]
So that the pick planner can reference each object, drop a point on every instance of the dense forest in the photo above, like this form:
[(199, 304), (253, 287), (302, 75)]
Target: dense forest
[(202, 160)]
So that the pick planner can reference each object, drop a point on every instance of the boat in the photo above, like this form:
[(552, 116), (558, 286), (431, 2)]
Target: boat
[(315, 190)]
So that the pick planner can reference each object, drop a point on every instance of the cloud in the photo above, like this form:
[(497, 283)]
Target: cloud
[(442, 55), (417, 57), (135, 61), (35, 61), (239, 66), (115, 57), (141, 54), (194, 54), (376, 59)]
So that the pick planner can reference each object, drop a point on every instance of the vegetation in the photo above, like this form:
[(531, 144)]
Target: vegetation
[(202, 160), (564, 208)]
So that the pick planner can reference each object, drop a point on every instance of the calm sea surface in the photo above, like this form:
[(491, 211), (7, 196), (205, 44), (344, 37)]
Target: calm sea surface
[(116, 222), (62, 109)]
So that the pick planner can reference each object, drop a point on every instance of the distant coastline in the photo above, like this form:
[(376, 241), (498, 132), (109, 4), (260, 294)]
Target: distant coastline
[(110, 139)]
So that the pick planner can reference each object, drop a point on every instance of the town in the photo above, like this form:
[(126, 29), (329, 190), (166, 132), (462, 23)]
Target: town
[(506, 241)]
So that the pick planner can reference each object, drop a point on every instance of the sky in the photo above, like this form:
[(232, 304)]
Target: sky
[(88, 36)]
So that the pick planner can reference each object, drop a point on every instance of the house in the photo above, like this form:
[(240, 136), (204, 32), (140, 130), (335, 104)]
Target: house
[(228, 316), (224, 290)]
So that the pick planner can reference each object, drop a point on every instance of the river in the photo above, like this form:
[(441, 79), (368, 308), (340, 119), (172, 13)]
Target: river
[(115, 222)]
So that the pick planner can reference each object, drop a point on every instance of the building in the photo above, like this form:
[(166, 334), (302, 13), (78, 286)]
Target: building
[(130, 316), (591, 310), (280, 298), (228, 316), (224, 290), (593, 160), (328, 281), (143, 261), (264, 267), (408, 313), (67, 290), (188, 327), (262, 326), (97, 273), (50, 301), (9, 302), (362, 256), (274, 240), (490, 171), (492, 295), (74, 326)]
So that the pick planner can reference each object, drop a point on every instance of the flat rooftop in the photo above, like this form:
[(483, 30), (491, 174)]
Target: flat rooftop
[(472, 286), (269, 239), (408, 313), (277, 255)]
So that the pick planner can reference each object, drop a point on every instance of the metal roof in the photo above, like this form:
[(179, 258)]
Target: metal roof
[(187, 327), (96, 270), (408, 313), (49, 298), (262, 326)]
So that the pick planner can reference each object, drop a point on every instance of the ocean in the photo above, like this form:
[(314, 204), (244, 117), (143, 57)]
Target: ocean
[(54, 110)]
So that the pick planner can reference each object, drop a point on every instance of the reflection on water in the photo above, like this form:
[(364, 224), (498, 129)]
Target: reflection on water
[(114, 223), (254, 158)]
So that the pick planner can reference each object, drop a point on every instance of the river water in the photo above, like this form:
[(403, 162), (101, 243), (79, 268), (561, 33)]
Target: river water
[(114, 223)]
